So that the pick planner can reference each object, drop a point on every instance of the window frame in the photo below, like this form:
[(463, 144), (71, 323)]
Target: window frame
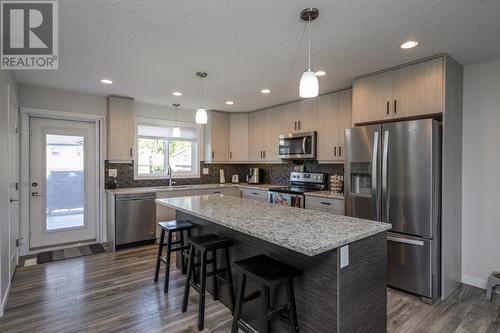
[(196, 151)]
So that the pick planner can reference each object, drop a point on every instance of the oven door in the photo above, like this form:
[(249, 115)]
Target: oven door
[(298, 145), (286, 199)]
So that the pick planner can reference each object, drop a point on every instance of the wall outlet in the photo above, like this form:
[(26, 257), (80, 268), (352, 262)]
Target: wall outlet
[(344, 256), (206, 171), (112, 173)]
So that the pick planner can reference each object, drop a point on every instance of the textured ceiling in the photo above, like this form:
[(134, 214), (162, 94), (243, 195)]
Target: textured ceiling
[(153, 47)]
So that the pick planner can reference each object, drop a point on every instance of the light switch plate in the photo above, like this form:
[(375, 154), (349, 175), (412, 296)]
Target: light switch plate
[(344, 256), (205, 171), (112, 172)]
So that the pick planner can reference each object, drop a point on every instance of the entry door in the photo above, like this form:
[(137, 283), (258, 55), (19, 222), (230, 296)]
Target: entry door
[(13, 182), (63, 182)]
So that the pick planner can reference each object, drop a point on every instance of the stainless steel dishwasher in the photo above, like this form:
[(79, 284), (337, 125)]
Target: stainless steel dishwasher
[(135, 218)]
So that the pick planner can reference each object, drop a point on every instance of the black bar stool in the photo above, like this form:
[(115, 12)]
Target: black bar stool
[(269, 273), (202, 245), (172, 227)]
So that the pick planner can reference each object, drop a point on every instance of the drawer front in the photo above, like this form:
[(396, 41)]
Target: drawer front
[(335, 206), (232, 191), (259, 195)]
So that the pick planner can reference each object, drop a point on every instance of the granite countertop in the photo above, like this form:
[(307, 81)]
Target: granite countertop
[(325, 194), (155, 189), (302, 230)]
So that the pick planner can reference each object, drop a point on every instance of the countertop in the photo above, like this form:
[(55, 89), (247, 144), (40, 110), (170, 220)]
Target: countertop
[(302, 230), (325, 194), (155, 189)]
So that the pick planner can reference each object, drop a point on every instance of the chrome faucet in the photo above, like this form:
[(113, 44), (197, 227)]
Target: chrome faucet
[(169, 172)]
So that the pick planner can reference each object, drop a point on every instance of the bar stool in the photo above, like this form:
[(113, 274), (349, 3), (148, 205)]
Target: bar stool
[(172, 227), (268, 273), (202, 245)]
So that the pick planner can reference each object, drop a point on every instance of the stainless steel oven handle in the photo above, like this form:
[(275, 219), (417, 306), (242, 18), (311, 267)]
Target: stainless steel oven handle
[(375, 172), (304, 140), (405, 241), (385, 176)]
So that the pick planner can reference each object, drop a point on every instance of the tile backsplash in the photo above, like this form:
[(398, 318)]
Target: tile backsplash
[(273, 173)]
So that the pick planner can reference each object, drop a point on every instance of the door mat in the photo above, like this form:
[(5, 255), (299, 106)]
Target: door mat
[(72, 252)]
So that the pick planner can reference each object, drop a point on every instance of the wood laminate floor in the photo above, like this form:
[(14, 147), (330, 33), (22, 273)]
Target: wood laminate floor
[(114, 292)]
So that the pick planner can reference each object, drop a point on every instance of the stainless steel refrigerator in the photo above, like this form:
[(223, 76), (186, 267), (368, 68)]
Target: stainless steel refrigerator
[(392, 174)]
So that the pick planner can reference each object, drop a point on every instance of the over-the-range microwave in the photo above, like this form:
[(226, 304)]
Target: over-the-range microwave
[(297, 145)]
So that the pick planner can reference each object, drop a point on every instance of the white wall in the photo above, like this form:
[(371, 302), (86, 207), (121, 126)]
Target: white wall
[(6, 78), (480, 173)]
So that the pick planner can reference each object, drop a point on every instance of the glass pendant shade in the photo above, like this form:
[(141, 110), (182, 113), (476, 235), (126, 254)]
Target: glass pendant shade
[(176, 132), (309, 86), (201, 116)]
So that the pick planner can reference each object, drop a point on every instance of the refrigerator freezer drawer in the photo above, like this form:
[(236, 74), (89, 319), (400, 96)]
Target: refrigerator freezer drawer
[(409, 262)]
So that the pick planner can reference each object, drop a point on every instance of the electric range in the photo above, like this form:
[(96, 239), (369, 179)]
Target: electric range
[(300, 183)]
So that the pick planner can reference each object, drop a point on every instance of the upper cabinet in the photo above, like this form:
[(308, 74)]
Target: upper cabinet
[(300, 116), (238, 137), (216, 137), (334, 116), (264, 127), (410, 91), (120, 129)]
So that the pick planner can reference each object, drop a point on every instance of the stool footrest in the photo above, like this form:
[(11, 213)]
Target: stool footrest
[(278, 311), (251, 297)]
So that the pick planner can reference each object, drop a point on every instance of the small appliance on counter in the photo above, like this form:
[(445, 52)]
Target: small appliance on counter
[(300, 183), (222, 179), (235, 179), (255, 176)]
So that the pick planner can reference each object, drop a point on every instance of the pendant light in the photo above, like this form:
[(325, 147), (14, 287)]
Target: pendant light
[(201, 113), (309, 86), (176, 132)]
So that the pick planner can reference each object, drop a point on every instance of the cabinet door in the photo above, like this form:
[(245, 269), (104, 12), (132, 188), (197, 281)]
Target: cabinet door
[(120, 125), (255, 136), (372, 98), (308, 115), (272, 130), (328, 116), (344, 120), (418, 89), (290, 118), (219, 137), (238, 137)]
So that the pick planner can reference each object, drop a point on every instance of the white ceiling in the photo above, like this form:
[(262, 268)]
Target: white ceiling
[(151, 48)]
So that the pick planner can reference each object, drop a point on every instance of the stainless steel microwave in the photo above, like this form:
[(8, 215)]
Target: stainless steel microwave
[(297, 146)]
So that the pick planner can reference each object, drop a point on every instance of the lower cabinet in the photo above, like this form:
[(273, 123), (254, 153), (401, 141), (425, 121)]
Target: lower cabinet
[(232, 191), (329, 205), (259, 195)]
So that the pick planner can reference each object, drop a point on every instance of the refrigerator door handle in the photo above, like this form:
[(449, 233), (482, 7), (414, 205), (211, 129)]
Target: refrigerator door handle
[(385, 176), (375, 172), (405, 241)]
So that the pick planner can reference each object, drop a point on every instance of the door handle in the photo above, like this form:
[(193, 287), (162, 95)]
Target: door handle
[(36, 194), (299, 124), (395, 107), (374, 174), (295, 125), (230, 154), (405, 241), (385, 175), (335, 151), (340, 151), (14, 200), (264, 154)]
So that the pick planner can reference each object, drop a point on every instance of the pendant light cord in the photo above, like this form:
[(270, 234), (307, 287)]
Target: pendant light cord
[(309, 53), (201, 92), (288, 81)]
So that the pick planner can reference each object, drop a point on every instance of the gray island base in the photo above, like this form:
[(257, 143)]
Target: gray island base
[(329, 298)]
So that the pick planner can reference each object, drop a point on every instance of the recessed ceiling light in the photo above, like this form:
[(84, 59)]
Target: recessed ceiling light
[(409, 44), (265, 91), (106, 81), (229, 102), (320, 73), (177, 93)]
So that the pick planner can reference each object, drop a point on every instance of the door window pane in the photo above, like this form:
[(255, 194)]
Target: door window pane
[(65, 181), (181, 156)]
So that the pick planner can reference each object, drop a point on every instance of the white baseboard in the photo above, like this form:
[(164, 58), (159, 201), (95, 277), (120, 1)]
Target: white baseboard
[(476, 282), (4, 300)]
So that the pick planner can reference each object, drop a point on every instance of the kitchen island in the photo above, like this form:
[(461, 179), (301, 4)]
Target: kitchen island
[(336, 293)]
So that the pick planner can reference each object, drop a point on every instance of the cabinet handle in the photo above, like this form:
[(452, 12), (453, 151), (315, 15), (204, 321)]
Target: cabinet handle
[(295, 125), (215, 192), (326, 203), (335, 151), (395, 107), (264, 154), (340, 151), (299, 124), (130, 152), (230, 154), (388, 103), (255, 193), (213, 154)]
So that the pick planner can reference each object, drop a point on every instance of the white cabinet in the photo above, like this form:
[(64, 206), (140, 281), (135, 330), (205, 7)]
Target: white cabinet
[(264, 127), (238, 137), (217, 137), (120, 128), (290, 118), (334, 116), (328, 205), (300, 116), (256, 122), (259, 195)]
